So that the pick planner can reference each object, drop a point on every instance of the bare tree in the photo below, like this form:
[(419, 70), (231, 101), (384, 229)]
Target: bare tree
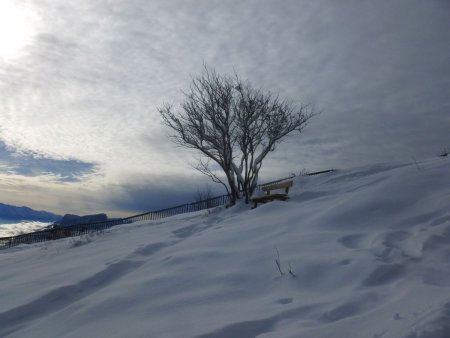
[(233, 125), (263, 120), (203, 194)]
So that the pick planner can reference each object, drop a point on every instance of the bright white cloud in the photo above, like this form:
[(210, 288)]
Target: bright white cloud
[(18, 23)]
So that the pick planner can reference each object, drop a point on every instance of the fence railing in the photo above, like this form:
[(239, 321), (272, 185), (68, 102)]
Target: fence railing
[(320, 172), (260, 186), (81, 229)]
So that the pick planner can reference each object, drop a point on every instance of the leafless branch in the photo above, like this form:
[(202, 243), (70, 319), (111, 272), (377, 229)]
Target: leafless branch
[(234, 125)]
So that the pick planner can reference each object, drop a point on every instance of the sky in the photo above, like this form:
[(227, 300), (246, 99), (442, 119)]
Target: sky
[(80, 83)]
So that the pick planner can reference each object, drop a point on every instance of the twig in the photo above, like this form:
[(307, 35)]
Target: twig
[(290, 271), (417, 164), (444, 152), (277, 262)]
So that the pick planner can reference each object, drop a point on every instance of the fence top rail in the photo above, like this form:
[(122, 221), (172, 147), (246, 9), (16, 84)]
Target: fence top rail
[(320, 172), (175, 207), (125, 219), (112, 221), (122, 220)]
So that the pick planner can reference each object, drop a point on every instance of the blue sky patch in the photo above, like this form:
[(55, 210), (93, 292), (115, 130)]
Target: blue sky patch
[(30, 165)]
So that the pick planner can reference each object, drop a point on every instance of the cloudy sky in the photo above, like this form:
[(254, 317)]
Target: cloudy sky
[(80, 82)]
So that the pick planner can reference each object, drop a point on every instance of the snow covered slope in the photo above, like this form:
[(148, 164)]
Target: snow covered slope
[(369, 248)]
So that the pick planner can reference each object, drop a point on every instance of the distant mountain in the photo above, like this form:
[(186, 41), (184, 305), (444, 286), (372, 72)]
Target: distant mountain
[(69, 219), (11, 212)]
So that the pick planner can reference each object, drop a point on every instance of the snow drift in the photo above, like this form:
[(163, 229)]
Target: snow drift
[(369, 249)]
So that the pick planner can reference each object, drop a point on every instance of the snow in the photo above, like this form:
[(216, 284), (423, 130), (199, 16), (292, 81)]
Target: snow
[(369, 248)]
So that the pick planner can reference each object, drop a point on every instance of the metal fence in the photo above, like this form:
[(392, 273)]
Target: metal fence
[(320, 172), (260, 186), (81, 229)]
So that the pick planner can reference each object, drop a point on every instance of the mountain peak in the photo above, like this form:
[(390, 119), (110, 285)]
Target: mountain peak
[(12, 212)]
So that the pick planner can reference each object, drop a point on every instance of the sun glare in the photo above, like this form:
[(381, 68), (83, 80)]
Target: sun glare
[(16, 28)]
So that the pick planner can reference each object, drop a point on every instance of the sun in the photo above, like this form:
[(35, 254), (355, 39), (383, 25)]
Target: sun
[(16, 28)]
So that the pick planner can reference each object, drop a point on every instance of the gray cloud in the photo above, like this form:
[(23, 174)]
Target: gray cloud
[(165, 193)]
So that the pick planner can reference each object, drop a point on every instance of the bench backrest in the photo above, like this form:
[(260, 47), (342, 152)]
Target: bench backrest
[(281, 185)]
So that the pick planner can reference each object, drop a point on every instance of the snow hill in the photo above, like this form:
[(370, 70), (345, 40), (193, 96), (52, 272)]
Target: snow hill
[(369, 248)]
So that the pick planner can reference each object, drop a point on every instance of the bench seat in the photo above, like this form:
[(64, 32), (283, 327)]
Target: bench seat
[(268, 198)]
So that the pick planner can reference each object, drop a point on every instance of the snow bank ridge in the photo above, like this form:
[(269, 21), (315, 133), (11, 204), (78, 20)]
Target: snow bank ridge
[(370, 249)]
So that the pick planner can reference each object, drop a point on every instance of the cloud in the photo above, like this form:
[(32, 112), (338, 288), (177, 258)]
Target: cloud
[(159, 194), (83, 94)]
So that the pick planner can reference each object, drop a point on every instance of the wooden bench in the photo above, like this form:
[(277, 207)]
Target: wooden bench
[(268, 197), (282, 185)]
